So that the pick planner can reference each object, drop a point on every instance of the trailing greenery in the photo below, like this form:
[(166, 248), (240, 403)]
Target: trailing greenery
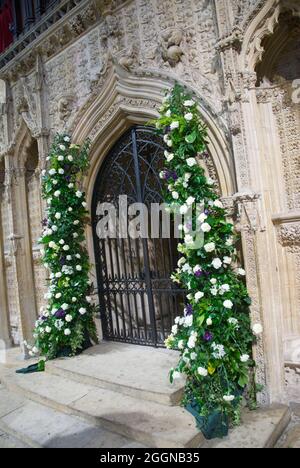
[(214, 333), (66, 325)]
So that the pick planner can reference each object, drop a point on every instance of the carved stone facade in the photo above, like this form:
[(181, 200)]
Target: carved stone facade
[(103, 67)]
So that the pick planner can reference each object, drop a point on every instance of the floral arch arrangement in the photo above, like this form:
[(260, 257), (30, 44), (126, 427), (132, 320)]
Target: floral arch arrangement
[(214, 335), (66, 325)]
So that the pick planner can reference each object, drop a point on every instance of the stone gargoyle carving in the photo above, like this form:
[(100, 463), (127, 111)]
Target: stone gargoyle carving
[(171, 46)]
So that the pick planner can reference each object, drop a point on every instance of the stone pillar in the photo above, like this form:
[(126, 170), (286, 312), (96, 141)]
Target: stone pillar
[(249, 224), (4, 312), (21, 254)]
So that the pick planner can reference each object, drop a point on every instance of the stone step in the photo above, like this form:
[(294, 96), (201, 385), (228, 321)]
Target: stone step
[(27, 424), (146, 422), (259, 429), (136, 371)]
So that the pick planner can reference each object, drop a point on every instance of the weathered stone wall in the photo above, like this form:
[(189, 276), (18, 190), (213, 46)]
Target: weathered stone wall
[(102, 67)]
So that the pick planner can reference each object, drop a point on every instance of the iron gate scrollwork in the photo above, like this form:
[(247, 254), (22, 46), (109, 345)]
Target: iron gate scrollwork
[(138, 300)]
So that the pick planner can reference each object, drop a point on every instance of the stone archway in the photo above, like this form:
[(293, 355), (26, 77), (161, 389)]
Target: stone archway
[(121, 100)]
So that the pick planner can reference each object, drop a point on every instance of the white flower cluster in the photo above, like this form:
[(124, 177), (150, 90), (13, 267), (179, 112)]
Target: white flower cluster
[(218, 351)]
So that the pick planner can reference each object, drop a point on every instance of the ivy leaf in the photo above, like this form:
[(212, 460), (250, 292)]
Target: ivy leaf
[(191, 137)]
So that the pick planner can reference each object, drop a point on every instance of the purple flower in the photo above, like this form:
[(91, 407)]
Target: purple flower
[(199, 273), (43, 317), (207, 336), (167, 174), (45, 222), (68, 178), (167, 129), (188, 310), (62, 260), (60, 314)]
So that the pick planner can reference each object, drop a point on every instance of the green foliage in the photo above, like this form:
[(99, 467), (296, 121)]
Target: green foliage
[(67, 322), (214, 334)]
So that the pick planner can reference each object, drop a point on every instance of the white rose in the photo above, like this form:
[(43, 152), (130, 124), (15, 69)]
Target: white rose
[(57, 215), (70, 158), (174, 125), (170, 157), (183, 209), (71, 185), (174, 329), (169, 143), (52, 245), (78, 255), (216, 263), (68, 318), (78, 194), (54, 228), (61, 171), (54, 182), (176, 375), (210, 247), (48, 329), (84, 204), (188, 239), (52, 171), (228, 398), (241, 272), (60, 158), (245, 358), (74, 299), (67, 139), (69, 258), (61, 242), (203, 372), (62, 147), (175, 195), (67, 332), (58, 296), (218, 204), (188, 103), (188, 116), (180, 344), (227, 260), (209, 322), (229, 242), (225, 287), (75, 235), (202, 217), (58, 275), (82, 310), (193, 356), (66, 248), (88, 299), (214, 291), (65, 306), (199, 295), (168, 113), (213, 281), (228, 304), (205, 227), (190, 201), (257, 329), (191, 162), (57, 193), (78, 267)]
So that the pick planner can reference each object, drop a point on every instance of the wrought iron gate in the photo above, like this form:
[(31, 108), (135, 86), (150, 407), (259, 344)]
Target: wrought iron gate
[(137, 298)]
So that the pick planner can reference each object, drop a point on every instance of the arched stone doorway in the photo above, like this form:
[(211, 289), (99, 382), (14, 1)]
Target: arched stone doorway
[(138, 299)]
